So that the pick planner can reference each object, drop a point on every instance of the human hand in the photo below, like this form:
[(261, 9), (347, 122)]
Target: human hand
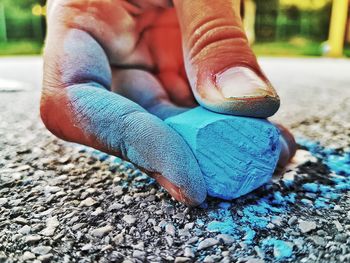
[(114, 69)]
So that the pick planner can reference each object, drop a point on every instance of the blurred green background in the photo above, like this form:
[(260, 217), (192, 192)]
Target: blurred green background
[(275, 27)]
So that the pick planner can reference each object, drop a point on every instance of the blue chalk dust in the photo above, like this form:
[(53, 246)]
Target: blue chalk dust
[(236, 154), (281, 249)]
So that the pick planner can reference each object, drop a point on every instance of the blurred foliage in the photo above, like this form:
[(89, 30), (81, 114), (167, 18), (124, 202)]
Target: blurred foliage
[(306, 4), (278, 22), (21, 47)]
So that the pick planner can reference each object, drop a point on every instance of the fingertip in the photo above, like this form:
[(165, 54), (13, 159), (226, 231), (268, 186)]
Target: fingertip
[(194, 198), (237, 91)]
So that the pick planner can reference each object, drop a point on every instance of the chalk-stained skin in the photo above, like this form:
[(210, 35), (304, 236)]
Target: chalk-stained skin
[(114, 69)]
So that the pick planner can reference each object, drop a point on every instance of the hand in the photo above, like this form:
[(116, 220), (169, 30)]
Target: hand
[(113, 69)]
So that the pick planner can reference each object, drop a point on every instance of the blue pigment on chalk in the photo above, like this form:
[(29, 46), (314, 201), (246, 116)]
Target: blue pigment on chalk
[(236, 154)]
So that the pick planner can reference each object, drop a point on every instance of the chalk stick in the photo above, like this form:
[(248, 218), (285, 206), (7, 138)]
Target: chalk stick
[(236, 154)]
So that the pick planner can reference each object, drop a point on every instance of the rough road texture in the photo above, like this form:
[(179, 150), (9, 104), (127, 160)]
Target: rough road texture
[(63, 203)]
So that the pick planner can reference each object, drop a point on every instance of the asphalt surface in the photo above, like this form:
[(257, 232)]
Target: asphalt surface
[(61, 202)]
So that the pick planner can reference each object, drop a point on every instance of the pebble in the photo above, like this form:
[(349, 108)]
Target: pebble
[(48, 232), (338, 225), (206, 243), (32, 239), (170, 229), (208, 259), (20, 220), (318, 240), (24, 230), (45, 258), (87, 202), (86, 247), (51, 189), (41, 250), (129, 219), (227, 239), (255, 260), (188, 253), (307, 226), (182, 259), (97, 212), (28, 256), (100, 232), (3, 201), (139, 254)]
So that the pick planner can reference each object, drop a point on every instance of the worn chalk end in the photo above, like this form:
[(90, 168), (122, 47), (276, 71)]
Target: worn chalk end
[(236, 154)]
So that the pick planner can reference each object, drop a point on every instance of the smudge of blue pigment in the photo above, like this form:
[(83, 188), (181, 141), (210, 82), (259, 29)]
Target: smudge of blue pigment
[(249, 235), (339, 164), (311, 187), (321, 203), (223, 220), (290, 198), (278, 198), (282, 249), (256, 216)]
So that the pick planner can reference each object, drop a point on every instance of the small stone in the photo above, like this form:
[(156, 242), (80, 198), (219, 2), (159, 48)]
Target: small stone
[(292, 220), (139, 254), (77, 226), (97, 212), (52, 222), (51, 189), (100, 232), (255, 260), (318, 240), (20, 220), (208, 242), (45, 258), (32, 239), (208, 259), (86, 247), (119, 239), (184, 232), (227, 239), (169, 240), (87, 202), (129, 219), (170, 229), (48, 232), (3, 201), (337, 208), (307, 226), (41, 250), (182, 259), (24, 230), (188, 253), (28, 256), (127, 199), (338, 225), (139, 246)]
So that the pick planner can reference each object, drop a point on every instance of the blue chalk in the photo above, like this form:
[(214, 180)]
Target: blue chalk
[(236, 154)]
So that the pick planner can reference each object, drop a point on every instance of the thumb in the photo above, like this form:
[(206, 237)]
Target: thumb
[(221, 67)]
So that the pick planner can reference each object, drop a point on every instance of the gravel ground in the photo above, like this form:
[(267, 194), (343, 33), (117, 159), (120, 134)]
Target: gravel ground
[(61, 202)]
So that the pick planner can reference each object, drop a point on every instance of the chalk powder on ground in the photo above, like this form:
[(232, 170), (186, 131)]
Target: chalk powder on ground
[(236, 154)]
